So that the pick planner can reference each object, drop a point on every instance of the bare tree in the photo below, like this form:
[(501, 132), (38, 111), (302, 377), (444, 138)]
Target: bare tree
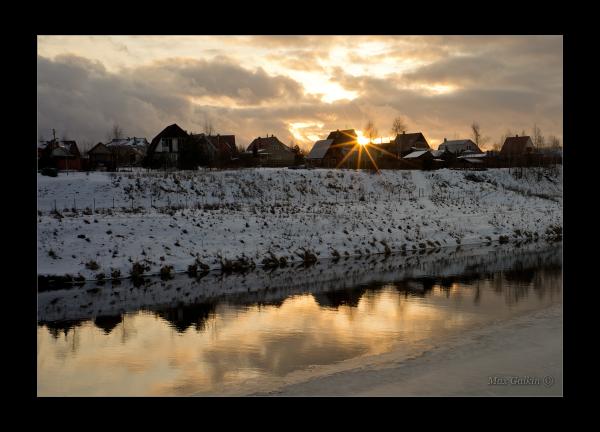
[(208, 126), (478, 137), (398, 126), (553, 141), (115, 133), (370, 130), (538, 138)]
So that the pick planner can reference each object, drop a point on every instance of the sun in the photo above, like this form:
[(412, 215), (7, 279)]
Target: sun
[(362, 140)]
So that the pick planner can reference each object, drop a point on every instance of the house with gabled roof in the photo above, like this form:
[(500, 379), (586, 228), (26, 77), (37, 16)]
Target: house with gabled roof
[(165, 147), (128, 151), (406, 143), (269, 151), (459, 147), (211, 150), (517, 146), (339, 147), (63, 155), (101, 157)]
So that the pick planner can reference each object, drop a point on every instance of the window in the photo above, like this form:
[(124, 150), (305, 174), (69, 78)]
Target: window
[(167, 144)]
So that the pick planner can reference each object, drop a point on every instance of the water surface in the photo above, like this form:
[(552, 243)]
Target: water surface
[(218, 334)]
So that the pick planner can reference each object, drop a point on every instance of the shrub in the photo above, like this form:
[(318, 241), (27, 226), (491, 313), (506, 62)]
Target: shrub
[(138, 269), (165, 272), (192, 270), (306, 256), (270, 261), (115, 274), (92, 265)]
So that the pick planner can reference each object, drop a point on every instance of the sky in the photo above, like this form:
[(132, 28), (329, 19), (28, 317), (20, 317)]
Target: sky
[(299, 88)]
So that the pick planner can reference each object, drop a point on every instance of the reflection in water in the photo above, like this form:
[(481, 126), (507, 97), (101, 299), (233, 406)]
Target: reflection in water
[(222, 332)]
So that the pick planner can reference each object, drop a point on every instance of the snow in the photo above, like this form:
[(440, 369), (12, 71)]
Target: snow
[(253, 212), (415, 154), (319, 149), (85, 302)]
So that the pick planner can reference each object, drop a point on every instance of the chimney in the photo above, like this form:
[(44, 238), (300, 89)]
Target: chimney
[(403, 132), (517, 135), (445, 139)]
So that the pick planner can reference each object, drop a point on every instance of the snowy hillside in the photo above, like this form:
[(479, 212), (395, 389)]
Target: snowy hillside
[(177, 219)]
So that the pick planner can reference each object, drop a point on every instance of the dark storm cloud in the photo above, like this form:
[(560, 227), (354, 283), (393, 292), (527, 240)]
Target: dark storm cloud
[(219, 77), (81, 98)]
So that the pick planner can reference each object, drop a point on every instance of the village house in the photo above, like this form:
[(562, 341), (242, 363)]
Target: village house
[(100, 158), (419, 159), (518, 151), (406, 143), (164, 150), (474, 161), (391, 154), (517, 146), (459, 147), (335, 150), (211, 150), (271, 152), (63, 155), (128, 151)]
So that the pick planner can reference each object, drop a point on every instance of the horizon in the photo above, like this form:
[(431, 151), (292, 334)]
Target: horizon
[(299, 88)]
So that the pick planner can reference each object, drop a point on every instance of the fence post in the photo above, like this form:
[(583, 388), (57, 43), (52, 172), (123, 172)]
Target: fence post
[(113, 202), (74, 204), (55, 205), (94, 205)]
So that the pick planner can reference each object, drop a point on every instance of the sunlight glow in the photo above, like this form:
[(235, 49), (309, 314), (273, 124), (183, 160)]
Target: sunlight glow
[(361, 138), (439, 89)]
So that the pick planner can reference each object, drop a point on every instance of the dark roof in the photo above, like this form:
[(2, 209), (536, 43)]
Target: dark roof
[(100, 149), (342, 136), (458, 145), (406, 141), (72, 147), (261, 143), (224, 143), (171, 131), (516, 144), (221, 144)]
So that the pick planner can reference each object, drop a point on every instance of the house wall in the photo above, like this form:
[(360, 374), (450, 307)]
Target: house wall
[(163, 146)]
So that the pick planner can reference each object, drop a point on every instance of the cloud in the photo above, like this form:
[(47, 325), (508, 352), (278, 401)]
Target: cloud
[(81, 97), (439, 84)]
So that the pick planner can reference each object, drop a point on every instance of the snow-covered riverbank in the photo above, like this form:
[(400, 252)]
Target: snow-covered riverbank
[(252, 213)]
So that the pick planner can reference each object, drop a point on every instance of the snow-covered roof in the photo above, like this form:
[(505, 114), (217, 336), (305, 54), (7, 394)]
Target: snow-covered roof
[(456, 146), (415, 154), (319, 149), (473, 155), (471, 160), (132, 142), (61, 152), (436, 153)]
